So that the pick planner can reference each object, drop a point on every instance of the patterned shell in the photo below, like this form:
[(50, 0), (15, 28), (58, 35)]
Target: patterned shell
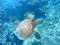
[(24, 30)]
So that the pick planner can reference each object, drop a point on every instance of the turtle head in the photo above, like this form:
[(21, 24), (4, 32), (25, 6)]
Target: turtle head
[(29, 15)]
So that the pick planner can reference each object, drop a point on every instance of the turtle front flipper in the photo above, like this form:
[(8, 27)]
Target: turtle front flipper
[(37, 35), (37, 21)]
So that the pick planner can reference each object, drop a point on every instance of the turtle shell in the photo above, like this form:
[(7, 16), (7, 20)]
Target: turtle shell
[(24, 30)]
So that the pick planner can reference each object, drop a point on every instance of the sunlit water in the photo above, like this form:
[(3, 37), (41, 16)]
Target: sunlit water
[(12, 12)]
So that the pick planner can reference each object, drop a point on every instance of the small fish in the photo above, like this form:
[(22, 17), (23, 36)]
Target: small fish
[(26, 29)]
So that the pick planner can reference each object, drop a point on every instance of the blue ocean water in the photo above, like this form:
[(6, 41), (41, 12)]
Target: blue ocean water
[(12, 12)]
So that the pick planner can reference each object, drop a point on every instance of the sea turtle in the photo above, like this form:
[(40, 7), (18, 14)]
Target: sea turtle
[(26, 29)]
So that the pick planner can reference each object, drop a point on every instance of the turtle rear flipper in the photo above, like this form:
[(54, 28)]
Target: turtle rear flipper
[(37, 35)]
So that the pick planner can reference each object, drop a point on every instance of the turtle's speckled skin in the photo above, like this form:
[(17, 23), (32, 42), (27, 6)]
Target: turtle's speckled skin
[(25, 29)]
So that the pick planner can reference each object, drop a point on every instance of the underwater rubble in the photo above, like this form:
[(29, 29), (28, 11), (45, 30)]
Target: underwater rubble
[(49, 29)]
